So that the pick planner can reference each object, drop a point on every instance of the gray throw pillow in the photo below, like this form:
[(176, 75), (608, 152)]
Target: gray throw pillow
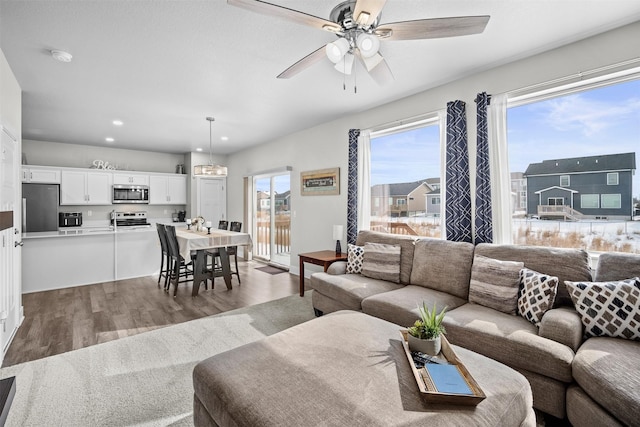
[(495, 283), (381, 261)]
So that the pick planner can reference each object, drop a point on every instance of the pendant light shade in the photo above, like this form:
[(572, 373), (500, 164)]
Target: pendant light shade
[(368, 45), (210, 169)]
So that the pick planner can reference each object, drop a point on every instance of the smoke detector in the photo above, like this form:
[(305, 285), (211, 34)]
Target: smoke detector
[(61, 55)]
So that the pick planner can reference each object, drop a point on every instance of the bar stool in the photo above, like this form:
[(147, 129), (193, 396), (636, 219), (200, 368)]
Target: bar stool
[(233, 250)]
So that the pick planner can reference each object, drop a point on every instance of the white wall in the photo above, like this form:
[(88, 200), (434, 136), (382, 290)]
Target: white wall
[(10, 99), (326, 145), (47, 153)]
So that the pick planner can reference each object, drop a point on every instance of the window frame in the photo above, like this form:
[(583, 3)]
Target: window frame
[(597, 200), (613, 174), (568, 178), (618, 204)]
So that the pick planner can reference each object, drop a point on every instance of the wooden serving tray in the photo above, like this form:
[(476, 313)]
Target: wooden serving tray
[(426, 386)]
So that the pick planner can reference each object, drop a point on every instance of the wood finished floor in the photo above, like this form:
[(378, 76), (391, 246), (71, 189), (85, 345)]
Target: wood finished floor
[(68, 319)]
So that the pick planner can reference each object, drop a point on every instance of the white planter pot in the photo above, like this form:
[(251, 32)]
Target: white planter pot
[(430, 347)]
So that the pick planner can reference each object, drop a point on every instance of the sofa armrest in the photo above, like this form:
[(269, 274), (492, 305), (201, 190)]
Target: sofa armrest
[(337, 268), (563, 325)]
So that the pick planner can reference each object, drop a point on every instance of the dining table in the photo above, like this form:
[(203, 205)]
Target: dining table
[(202, 240)]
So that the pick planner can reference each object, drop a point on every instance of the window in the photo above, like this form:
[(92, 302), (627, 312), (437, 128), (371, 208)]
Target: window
[(553, 137), (611, 201), (435, 200), (589, 201), (405, 159), (555, 201)]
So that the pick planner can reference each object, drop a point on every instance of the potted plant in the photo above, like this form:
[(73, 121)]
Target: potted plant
[(425, 334)]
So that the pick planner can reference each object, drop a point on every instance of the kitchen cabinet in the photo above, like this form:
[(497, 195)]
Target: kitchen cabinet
[(168, 189), (130, 179), (41, 175), (85, 188)]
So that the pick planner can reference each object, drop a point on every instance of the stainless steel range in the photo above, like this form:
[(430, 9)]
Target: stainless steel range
[(130, 219)]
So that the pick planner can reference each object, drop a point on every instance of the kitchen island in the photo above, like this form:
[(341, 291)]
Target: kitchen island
[(86, 255)]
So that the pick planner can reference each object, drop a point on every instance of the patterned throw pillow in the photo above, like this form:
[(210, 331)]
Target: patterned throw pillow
[(381, 261), (537, 293), (495, 283), (609, 309), (354, 259)]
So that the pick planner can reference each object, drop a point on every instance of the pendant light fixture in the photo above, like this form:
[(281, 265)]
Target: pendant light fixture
[(210, 169)]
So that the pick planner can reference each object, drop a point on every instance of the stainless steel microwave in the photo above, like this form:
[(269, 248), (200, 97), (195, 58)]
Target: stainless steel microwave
[(130, 194)]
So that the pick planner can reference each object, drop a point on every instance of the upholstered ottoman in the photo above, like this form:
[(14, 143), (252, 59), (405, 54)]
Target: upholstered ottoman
[(345, 368)]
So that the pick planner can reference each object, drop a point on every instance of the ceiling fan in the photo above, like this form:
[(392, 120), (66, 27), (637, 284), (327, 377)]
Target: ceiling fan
[(356, 23)]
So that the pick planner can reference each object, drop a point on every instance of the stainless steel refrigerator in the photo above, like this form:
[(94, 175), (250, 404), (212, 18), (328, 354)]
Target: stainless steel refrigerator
[(40, 207)]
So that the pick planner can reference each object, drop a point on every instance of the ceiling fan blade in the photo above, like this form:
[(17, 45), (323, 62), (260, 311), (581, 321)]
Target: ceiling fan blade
[(381, 73), (286, 13), (306, 62), (433, 28), (366, 11)]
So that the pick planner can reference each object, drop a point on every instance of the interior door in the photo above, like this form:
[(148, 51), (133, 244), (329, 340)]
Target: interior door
[(212, 199), (10, 238)]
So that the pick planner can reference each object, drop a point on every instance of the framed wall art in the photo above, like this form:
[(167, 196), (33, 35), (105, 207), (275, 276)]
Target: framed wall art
[(322, 182)]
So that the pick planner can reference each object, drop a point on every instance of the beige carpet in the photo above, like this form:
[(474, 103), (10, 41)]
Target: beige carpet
[(143, 380)]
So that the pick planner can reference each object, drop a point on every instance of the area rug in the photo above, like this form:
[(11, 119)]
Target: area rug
[(142, 380), (271, 270)]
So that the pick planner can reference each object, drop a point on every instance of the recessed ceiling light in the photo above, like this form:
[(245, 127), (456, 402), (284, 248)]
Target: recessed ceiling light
[(118, 122), (198, 149), (224, 138), (109, 139), (61, 55)]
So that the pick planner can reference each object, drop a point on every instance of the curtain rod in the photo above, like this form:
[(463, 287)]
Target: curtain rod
[(580, 75), (402, 122)]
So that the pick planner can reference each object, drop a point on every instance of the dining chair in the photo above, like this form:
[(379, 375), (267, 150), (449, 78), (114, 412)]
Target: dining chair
[(164, 255), (233, 250), (214, 253), (179, 267)]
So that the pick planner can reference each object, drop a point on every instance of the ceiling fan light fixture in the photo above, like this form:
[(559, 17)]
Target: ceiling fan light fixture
[(345, 65), (337, 50), (368, 45)]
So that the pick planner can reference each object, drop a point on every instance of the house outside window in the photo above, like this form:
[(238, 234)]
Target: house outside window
[(593, 160), (589, 201), (405, 171), (435, 201)]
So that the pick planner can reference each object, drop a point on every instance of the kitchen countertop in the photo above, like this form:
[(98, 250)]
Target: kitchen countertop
[(94, 231)]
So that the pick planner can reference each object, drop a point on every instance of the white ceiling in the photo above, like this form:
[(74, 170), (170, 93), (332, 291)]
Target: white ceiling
[(163, 66)]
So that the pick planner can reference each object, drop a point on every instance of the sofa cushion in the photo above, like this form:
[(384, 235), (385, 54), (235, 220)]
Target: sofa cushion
[(443, 265), (381, 261), (406, 254), (607, 370), (609, 309), (617, 266), (401, 306), (349, 289), (511, 340), (565, 264), (537, 293), (495, 283), (354, 259)]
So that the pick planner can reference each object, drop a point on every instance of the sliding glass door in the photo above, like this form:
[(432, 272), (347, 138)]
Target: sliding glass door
[(272, 218)]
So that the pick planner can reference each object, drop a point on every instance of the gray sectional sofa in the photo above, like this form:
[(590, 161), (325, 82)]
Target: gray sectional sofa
[(591, 382)]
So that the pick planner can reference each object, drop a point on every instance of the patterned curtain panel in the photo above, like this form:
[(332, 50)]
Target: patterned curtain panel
[(352, 187), (484, 228), (458, 189)]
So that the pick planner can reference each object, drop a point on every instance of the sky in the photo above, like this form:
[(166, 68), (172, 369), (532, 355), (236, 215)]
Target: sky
[(596, 122)]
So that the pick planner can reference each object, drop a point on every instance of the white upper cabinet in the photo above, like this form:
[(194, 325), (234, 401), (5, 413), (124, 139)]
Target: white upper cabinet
[(130, 178), (168, 189), (85, 188), (34, 174)]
